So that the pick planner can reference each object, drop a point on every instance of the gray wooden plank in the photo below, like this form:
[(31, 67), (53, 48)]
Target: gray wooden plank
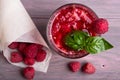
[(104, 8)]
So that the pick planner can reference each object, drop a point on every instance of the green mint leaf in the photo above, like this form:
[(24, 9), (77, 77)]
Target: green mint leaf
[(96, 45), (70, 42), (76, 40), (80, 37), (107, 44)]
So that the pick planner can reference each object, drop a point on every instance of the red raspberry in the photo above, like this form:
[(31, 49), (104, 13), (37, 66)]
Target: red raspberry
[(40, 56), (13, 45), (100, 26), (29, 73), (40, 46), (29, 61), (16, 57), (88, 68), (74, 66), (22, 46), (31, 51)]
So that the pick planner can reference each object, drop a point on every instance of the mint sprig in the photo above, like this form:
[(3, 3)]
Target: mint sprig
[(79, 40)]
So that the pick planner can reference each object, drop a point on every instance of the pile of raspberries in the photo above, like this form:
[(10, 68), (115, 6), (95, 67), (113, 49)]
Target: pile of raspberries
[(28, 53)]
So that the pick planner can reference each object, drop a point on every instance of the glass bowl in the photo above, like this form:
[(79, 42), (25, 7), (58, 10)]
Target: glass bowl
[(65, 19)]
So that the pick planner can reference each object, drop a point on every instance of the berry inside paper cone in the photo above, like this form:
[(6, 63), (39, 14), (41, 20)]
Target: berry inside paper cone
[(20, 37)]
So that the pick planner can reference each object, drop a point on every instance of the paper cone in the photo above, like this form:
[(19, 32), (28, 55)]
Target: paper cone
[(17, 26)]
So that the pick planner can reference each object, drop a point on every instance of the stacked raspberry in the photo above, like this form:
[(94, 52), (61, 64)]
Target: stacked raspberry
[(27, 53), (100, 26)]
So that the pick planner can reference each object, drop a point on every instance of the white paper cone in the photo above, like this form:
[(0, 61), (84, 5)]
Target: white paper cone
[(16, 25)]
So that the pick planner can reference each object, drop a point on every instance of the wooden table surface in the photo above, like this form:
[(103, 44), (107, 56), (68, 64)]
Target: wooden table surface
[(40, 11)]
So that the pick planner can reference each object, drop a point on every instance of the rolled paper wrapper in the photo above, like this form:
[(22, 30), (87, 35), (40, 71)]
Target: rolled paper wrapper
[(17, 26), (0, 28)]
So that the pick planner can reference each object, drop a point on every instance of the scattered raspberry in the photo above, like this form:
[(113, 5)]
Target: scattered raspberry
[(13, 45), (29, 61), (88, 68), (40, 56), (74, 66), (22, 46), (31, 51), (100, 26), (16, 57), (29, 72)]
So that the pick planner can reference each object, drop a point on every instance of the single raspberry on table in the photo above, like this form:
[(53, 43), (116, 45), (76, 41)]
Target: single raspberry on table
[(22, 46), (41, 55), (31, 51), (13, 45), (29, 73), (100, 26), (29, 61), (16, 57), (74, 66), (88, 68)]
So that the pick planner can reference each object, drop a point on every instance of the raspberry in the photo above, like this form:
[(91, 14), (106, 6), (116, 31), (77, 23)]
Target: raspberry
[(100, 26), (40, 46), (29, 61), (74, 66), (31, 51), (29, 72), (22, 46), (16, 57), (88, 68), (40, 56), (13, 45)]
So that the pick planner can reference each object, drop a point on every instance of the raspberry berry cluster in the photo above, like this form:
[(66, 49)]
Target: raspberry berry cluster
[(28, 53)]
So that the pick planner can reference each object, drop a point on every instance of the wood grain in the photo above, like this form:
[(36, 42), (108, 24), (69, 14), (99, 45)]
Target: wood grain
[(40, 11)]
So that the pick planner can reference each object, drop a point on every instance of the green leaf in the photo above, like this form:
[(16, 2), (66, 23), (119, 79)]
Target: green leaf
[(76, 40), (80, 37), (96, 45), (107, 44)]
